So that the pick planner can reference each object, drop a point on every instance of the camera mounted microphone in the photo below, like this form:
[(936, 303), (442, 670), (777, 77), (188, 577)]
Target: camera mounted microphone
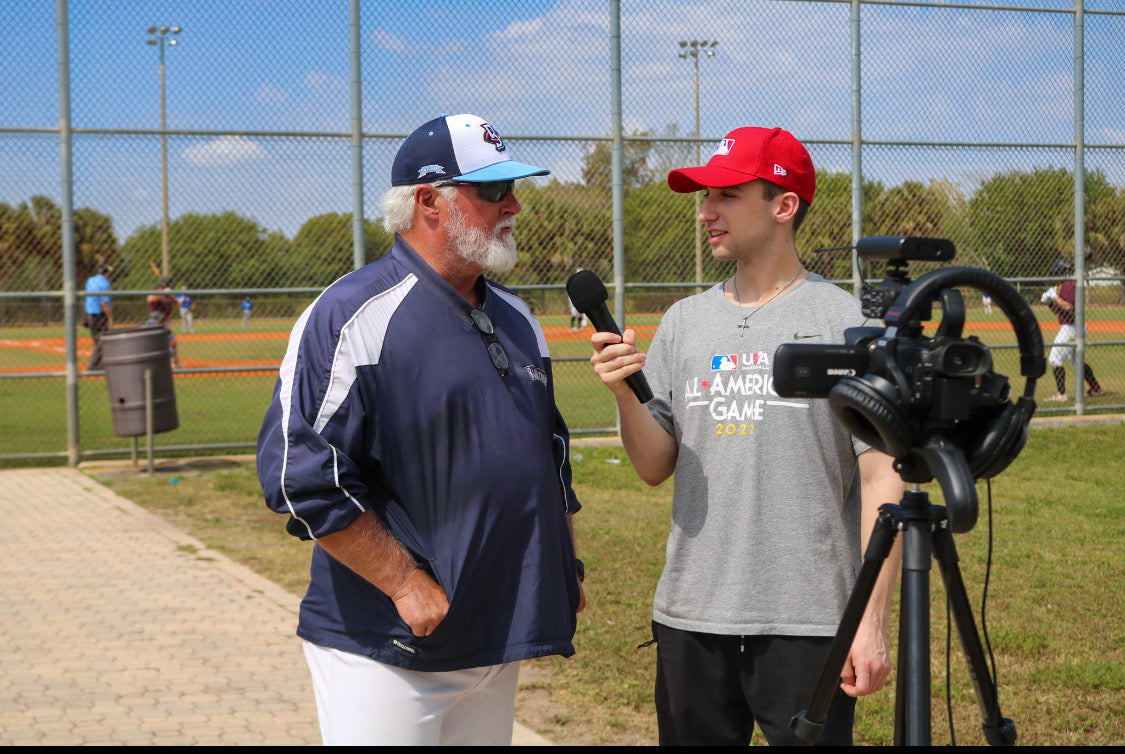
[(589, 296)]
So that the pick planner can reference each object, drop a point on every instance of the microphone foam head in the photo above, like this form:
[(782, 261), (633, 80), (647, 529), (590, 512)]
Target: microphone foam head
[(586, 290)]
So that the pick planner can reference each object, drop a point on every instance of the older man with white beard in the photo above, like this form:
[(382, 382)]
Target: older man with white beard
[(414, 436)]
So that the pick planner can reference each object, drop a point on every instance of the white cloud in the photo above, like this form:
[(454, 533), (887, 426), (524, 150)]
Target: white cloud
[(316, 79), (319, 80), (225, 150), (269, 95), (1106, 136), (518, 29), (384, 40)]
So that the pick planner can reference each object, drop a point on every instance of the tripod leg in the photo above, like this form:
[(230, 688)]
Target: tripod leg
[(998, 730), (912, 715), (809, 724)]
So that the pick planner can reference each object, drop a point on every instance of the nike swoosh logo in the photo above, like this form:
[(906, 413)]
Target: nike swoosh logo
[(804, 337)]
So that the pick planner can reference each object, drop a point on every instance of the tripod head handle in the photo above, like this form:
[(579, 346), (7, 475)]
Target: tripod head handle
[(944, 459)]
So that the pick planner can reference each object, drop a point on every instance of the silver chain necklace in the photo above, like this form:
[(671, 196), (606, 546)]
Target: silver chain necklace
[(744, 326)]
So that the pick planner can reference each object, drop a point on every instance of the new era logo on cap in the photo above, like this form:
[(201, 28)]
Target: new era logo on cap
[(464, 147), (750, 153)]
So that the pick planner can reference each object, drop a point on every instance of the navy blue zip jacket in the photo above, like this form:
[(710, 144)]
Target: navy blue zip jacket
[(388, 401)]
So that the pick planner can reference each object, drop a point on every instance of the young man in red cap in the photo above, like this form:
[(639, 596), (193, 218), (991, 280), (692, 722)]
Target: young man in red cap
[(773, 500)]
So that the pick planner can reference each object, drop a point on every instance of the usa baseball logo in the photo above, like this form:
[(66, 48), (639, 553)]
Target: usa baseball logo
[(493, 137)]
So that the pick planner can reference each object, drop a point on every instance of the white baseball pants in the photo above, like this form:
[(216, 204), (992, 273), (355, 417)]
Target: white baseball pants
[(363, 702)]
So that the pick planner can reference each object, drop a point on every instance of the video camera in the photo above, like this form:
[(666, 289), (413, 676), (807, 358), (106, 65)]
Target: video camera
[(946, 366), (933, 402)]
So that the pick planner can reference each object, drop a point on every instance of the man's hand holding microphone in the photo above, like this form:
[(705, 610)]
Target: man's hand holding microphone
[(615, 359), (651, 448)]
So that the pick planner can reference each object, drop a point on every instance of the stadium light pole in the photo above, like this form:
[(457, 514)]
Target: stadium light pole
[(158, 35), (693, 50)]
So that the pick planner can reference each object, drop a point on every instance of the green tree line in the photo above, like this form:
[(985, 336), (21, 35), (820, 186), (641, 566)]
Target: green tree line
[(1015, 224)]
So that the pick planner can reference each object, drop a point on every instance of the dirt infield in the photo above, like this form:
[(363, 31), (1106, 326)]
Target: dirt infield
[(57, 346)]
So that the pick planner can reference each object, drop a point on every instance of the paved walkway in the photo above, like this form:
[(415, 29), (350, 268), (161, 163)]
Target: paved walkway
[(117, 628)]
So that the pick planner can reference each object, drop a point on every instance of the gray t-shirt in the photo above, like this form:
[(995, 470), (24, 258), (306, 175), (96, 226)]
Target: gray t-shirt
[(765, 512)]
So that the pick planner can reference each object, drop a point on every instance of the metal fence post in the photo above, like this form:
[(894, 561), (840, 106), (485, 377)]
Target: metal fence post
[(66, 202), (1079, 213), (857, 144), (148, 419), (618, 180), (359, 244)]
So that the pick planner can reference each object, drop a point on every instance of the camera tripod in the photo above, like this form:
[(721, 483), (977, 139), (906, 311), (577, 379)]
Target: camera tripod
[(926, 534)]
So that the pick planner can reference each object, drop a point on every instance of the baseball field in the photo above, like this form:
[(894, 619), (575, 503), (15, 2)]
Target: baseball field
[(229, 370)]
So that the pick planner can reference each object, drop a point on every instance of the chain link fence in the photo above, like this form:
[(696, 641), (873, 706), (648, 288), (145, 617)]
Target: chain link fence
[(221, 145)]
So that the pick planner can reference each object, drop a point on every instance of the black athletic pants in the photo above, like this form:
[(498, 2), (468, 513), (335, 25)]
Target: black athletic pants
[(712, 689), (98, 324)]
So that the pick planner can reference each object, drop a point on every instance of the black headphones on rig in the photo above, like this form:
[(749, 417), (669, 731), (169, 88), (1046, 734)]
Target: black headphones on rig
[(876, 408)]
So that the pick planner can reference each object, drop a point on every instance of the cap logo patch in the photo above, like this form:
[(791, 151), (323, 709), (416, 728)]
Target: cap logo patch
[(493, 137), (724, 147), (430, 169), (778, 170)]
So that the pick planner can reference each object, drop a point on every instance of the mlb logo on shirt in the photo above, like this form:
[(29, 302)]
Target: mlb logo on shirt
[(724, 362)]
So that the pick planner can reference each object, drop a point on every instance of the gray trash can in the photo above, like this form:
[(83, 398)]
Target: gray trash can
[(126, 354)]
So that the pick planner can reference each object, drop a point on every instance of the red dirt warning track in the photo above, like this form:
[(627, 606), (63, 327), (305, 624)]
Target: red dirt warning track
[(553, 333)]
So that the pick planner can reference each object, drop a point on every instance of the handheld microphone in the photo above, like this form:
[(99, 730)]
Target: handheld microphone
[(588, 294)]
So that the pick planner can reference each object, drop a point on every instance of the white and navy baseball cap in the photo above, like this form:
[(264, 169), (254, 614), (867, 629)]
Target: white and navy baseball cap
[(462, 147)]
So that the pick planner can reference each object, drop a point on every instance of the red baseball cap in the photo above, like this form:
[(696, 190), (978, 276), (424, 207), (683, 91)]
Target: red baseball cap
[(749, 153)]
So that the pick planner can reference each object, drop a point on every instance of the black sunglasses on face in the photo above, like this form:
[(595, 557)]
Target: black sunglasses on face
[(488, 335), (490, 191)]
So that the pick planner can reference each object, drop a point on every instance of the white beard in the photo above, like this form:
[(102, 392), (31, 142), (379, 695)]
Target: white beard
[(491, 251)]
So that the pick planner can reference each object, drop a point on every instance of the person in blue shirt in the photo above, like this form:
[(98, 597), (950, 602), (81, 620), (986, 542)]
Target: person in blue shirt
[(413, 436), (246, 307), (99, 311), (187, 312)]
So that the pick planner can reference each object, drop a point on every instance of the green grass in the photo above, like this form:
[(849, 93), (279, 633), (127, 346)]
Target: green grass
[(223, 409), (211, 410), (217, 408), (1054, 616)]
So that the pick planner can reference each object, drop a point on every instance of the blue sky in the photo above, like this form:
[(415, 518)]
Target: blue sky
[(534, 67)]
